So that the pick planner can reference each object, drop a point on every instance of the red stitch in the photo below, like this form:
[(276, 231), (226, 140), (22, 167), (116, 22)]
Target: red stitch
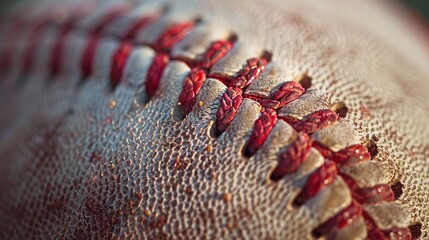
[(398, 233), (248, 74), (262, 128), (339, 221), (155, 72), (254, 98), (110, 17), (58, 47), (90, 49), (222, 77), (118, 63), (6, 49), (350, 155), (88, 56), (194, 81), (229, 104), (292, 159), (322, 149), (214, 53), (34, 39), (377, 193), (318, 180), (289, 119), (138, 26), (316, 121), (289, 161), (172, 35), (285, 94), (374, 233), (191, 87), (57, 50)]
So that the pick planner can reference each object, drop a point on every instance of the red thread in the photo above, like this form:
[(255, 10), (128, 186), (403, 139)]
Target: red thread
[(90, 49), (222, 77), (398, 233), (289, 161), (248, 73), (342, 219), (57, 51), (292, 159), (318, 180), (58, 47), (374, 233), (118, 63), (285, 94), (316, 121), (377, 193), (172, 35), (138, 26), (6, 49), (194, 81), (350, 155), (254, 98), (191, 87), (109, 17), (155, 72), (321, 148), (88, 56), (214, 53), (229, 104), (34, 41), (262, 128)]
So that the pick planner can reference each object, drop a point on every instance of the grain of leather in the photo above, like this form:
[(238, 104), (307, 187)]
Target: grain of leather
[(97, 141)]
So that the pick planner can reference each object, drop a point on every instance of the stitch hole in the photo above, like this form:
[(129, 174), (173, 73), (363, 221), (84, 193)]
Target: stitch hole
[(211, 130), (397, 189), (317, 234), (416, 230), (198, 20), (267, 55), (297, 203), (304, 80), (372, 147), (274, 179), (340, 108), (291, 206), (177, 113), (214, 131), (164, 9), (142, 97), (233, 37), (246, 153)]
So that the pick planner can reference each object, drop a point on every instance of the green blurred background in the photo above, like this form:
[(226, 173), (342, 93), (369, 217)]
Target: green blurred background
[(422, 6)]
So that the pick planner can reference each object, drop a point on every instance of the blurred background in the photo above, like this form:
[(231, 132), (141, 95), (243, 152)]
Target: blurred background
[(421, 6)]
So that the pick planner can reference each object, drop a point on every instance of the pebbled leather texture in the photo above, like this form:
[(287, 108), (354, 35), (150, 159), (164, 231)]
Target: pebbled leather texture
[(117, 122)]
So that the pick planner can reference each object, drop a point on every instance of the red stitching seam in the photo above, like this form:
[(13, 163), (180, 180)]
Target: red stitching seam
[(9, 41), (290, 160), (34, 37)]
